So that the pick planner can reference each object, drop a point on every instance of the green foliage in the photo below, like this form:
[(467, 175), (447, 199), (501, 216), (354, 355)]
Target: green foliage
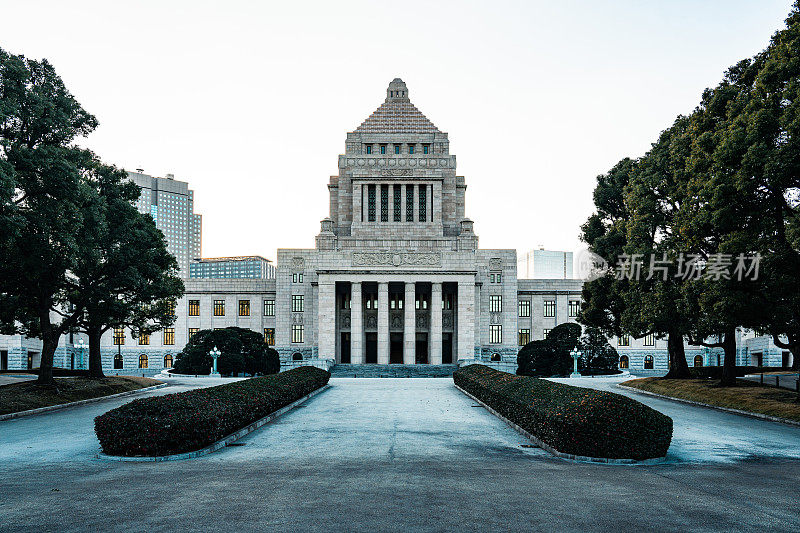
[(597, 355), (550, 356), (242, 350), (572, 420), (189, 421)]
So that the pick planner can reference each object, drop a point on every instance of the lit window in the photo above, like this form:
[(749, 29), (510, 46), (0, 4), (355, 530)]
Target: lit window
[(524, 307), (549, 308), (297, 333), (623, 361), (192, 331), (495, 303), (624, 340), (650, 340), (495, 334), (524, 336), (244, 307), (171, 308), (168, 361), (194, 307), (269, 307), (574, 308), (269, 336), (143, 360), (219, 307), (119, 336), (297, 303), (648, 362), (169, 336), (144, 339)]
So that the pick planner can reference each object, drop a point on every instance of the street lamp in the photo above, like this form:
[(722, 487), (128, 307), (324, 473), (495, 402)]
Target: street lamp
[(81, 347), (214, 353), (576, 354)]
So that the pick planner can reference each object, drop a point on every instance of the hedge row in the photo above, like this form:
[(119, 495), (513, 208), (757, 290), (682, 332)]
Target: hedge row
[(715, 372), (188, 421), (572, 420)]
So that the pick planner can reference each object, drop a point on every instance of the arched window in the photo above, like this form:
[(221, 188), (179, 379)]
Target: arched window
[(297, 356), (168, 361), (143, 360), (698, 360), (648, 362), (623, 361), (117, 361), (496, 357)]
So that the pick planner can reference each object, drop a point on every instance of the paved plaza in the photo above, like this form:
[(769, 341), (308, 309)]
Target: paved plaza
[(398, 454)]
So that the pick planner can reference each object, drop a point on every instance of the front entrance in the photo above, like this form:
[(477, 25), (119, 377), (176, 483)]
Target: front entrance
[(396, 348), (371, 348), (344, 356), (422, 349), (447, 348)]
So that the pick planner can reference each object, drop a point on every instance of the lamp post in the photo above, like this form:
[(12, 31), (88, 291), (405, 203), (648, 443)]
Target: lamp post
[(576, 354), (81, 347), (214, 353)]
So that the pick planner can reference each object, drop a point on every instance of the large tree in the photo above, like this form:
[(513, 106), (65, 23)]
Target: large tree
[(242, 350), (43, 196)]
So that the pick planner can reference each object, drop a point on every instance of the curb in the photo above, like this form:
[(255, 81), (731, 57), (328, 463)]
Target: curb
[(715, 407), (60, 406), (568, 456), (222, 443)]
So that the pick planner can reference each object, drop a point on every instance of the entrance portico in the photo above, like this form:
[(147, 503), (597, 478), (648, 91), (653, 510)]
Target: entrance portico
[(419, 308)]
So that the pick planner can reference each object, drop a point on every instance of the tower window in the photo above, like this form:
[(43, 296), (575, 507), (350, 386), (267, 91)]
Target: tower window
[(396, 199), (409, 203), (383, 148), (397, 148), (425, 149), (423, 201), (410, 148), (369, 148), (384, 203), (371, 203)]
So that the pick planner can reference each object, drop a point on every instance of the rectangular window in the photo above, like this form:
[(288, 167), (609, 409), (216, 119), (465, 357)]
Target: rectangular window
[(194, 307), (549, 308), (425, 149), (371, 203), (269, 307), (144, 339), (119, 336), (495, 334), (171, 308), (219, 307), (495, 277), (423, 201), (524, 307), (396, 193), (297, 277), (421, 301), (545, 333), (624, 341), (650, 340), (269, 336), (297, 333), (244, 307), (192, 331), (384, 203), (447, 301), (369, 148), (574, 308), (410, 148), (524, 336), (383, 148), (409, 203), (397, 148), (496, 303), (297, 303), (169, 336)]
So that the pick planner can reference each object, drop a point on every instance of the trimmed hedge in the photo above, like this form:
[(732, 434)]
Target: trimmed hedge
[(192, 420), (572, 420), (715, 372)]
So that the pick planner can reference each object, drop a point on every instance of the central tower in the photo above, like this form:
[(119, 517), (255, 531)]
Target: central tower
[(397, 182)]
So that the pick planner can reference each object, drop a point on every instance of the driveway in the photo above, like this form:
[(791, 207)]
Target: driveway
[(391, 455)]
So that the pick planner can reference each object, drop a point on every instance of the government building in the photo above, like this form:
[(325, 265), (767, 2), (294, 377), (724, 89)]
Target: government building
[(396, 276)]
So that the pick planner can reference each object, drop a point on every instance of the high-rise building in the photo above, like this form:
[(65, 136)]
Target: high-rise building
[(171, 204), (242, 267), (545, 264)]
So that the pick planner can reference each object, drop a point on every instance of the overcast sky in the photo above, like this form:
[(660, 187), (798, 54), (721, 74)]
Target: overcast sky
[(250, 101)]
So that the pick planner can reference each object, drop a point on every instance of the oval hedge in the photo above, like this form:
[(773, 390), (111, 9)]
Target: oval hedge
[(572, 420), (192, 420)]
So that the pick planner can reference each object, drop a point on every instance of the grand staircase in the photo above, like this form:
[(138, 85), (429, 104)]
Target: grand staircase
[(392, 371)]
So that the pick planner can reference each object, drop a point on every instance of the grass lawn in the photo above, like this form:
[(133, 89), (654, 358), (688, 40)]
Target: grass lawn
[(29, 395), (747, 396)]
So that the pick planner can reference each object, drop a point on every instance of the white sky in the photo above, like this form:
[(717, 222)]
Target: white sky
[(250, 101)]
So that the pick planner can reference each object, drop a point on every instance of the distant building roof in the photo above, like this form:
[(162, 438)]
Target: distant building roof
[(232, 258), (397, 114)]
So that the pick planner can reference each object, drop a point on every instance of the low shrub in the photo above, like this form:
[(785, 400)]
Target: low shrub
[(715, 372), (572, 420), (188, 421)]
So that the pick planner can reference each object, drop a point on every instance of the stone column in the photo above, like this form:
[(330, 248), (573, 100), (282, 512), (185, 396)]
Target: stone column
[(356, 324), (410, 325), (466, 320), (435, 341), (383, 323), (326, 320)]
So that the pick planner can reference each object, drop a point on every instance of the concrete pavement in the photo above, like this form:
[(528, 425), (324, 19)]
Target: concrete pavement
[(399, 455)]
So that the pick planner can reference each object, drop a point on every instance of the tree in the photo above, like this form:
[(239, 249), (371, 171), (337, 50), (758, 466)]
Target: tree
[(597, 355), (126, 275), (242, 350), (43, 196), (550, 356)]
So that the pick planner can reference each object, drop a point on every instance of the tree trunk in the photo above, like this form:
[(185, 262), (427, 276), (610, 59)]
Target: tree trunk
[(729, 364), (49, 344), (678, 367), (795, 351), (95, 360)]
